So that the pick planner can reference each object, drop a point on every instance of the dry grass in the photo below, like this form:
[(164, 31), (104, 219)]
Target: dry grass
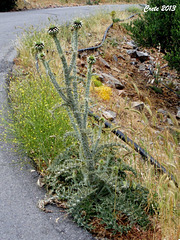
[(30, 4)]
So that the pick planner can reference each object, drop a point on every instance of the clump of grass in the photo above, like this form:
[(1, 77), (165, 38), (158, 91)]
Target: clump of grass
[(134, 10), (38, 124), (95, 81)]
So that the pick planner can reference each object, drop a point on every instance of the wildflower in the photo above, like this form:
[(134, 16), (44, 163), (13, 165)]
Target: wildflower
[(39, 46), (53, 31), (104, 92), (77, 25), (101, 162), (91, 60)]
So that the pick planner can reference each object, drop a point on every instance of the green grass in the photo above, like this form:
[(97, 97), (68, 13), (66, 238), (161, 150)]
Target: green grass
[(134, 10), (39, 126)]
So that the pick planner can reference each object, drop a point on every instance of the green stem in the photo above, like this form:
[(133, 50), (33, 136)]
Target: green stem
[(86, 104), (53, 79)]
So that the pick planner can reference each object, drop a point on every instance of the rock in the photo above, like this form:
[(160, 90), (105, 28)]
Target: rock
[(122, 93), (137, 105), (132, 44), (142, 56), (121, 56), (132, 53), (115, 58), (142, 67), (127, 46), (109, 115), (112, 81), (170, 121), (178, 114), (133, 61), (106, 64)]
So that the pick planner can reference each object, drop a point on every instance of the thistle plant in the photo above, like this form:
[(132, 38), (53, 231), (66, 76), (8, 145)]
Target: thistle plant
[(78, 112), (91, 176)]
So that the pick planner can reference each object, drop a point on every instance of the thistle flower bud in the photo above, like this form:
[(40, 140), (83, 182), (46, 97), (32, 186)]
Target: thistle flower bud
[(91, 60), (77, 25), (39, 46), (101, 162), (42, 56), (113, 14), (53, 31), (116, 169)]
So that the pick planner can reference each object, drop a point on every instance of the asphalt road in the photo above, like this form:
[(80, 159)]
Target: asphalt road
[(19, 216)]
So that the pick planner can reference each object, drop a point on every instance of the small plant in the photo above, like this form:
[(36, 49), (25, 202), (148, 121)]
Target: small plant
[(134, 10), (104, 92), (95, 81), (157, 89), (113, 14)]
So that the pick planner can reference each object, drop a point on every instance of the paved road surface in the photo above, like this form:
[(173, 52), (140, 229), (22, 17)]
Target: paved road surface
[(19, 216)]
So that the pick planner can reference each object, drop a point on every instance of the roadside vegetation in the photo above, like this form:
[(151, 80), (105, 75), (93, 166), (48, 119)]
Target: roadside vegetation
[(166, 24), (30, 4), (103, 183)]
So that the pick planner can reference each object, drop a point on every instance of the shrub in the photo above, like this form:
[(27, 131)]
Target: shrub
[(7, 5), (162, 26)]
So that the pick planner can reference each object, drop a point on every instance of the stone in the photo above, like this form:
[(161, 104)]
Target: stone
[(121, 56), (115, 58), (132, 44), (106, 64), (122, 93), (170, 121), (109, 115), (137, 105), (127, 46), (133, 61), (142, 56), (132, 53), (112, 81), (142, 67)]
